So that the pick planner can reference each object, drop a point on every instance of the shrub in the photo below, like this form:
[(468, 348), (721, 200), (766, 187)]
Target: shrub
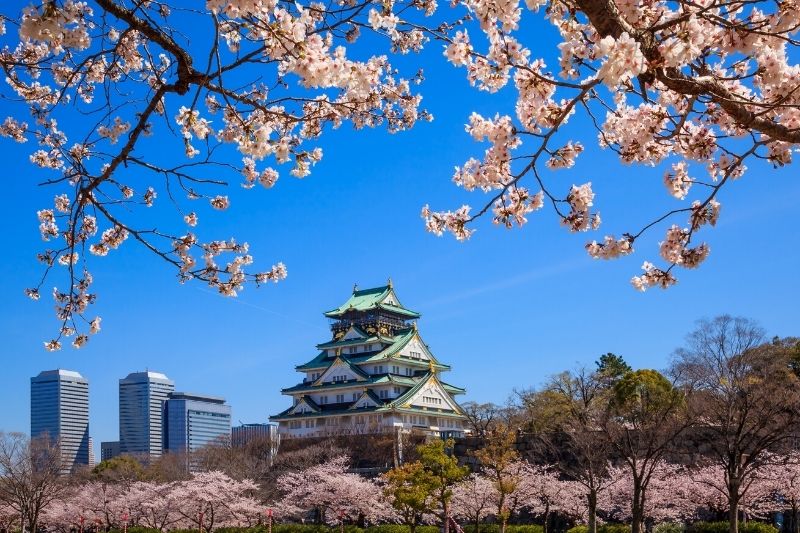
[(387, 528), (668, 527), (303, 528), (495, 528), (605, 528), (722, 527), (135, 529)]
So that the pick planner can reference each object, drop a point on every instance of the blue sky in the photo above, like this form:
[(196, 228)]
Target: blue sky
[(506, 309)]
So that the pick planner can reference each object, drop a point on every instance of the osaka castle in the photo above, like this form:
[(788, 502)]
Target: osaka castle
[(374, 375)]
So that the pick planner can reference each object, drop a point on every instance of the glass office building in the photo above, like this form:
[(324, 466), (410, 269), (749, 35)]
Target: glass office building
[(141, 405), (60, 411), (193, 421)]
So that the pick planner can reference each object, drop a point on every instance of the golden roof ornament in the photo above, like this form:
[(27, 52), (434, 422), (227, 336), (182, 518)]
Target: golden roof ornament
[(389, 283)]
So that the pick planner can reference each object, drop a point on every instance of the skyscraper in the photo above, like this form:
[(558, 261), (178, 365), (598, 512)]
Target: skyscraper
[(245, 433), (192, 421), (60, 411), (141, 399), (109, 449), (92, 462)]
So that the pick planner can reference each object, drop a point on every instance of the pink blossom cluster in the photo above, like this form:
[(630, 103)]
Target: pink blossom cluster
[(126, 71), (682, 83)]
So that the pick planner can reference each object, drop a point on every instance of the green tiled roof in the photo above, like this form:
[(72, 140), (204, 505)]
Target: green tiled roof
[(399, 401), (407, 381), (286, 415), (317, 362), (371, 299), (452, 389), (402, 338), (353, 342)]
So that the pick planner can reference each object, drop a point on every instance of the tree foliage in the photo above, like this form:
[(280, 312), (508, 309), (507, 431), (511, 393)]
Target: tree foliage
[(235, 91)]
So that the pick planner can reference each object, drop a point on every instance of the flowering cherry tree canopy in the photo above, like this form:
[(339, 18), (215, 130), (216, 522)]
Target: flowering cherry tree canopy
[(242, 90), (334, 492)]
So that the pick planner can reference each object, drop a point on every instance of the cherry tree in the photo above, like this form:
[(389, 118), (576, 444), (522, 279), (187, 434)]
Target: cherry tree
[(9, 518), (335, 493), (756, 494), (154, 505), (263, 79), (785, 480), (672, 495), (91, 503), (212, 499), (241, 88), (546, 493), (701, 88), (474, 499)]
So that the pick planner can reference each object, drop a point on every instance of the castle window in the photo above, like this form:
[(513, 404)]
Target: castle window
[(355, 396), (395, 369), (340, 398), (398, 390), (323, 400), (383, 394), (415, 355)]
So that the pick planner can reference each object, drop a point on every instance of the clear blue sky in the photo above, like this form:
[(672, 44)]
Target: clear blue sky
[(506, 309)]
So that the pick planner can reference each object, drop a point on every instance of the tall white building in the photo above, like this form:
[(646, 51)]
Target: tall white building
[(60, 411), (141, 407), (92, 461)]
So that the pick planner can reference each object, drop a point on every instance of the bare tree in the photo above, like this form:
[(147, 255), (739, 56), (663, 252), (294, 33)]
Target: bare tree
[(481, 417), (746, 392), (29, 475), (565, 417)]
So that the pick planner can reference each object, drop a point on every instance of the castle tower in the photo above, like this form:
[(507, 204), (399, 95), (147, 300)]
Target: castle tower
[(376, 374)]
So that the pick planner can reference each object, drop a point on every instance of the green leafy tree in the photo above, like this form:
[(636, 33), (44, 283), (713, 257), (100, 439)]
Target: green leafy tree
[(411, 492), (500, 463), (442, 472), (122, 468), (611, 368)]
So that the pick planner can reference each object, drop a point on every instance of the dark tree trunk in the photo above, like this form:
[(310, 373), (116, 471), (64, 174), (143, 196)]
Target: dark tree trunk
[(546, 517), (592, 501), (637, 511), (733, 503)]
